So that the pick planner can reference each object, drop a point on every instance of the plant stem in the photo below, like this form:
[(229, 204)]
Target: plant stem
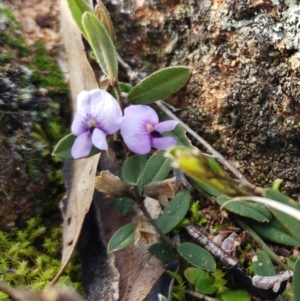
[(119, 94), (158, 230), (254, 235), (215, 153)]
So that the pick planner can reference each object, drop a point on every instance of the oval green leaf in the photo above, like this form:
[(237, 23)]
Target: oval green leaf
[(159, 85), (234, 295), (121, 239), (204, 285), (63, 148), (273, 231), (124, 205), (163, 252), (157, 168), (77, 9), (296, 281), (262, 264), (290, 224), (255, 211), (174, 212), (193, 274), (197, 256), (102, 45), (133, 168)]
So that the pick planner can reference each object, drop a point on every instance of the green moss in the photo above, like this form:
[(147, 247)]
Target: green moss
[(46, 72), (31, 260), (10, 35)]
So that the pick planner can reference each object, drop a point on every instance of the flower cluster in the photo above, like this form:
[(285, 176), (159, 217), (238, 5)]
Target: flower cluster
[(99, 114)]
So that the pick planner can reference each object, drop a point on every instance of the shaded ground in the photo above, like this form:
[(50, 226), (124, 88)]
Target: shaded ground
[(243, 95)]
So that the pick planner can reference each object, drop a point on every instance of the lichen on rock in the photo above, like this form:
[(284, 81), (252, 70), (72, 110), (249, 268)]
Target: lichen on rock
[(30, 126), (243, 96)]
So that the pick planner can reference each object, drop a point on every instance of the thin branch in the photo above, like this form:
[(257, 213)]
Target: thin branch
[(158, 230), (119, 94), (200, 296), (200, 238), (215, 153)]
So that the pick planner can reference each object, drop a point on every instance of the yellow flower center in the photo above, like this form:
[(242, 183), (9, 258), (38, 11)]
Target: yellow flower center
[(149, 127), (91, 123)]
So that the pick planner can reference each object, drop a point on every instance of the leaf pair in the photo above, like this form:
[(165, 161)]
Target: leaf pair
[(171, 217), (140, 171), (97, 35)]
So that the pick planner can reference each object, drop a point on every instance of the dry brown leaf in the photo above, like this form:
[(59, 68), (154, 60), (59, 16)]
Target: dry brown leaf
[(80, 194), (111, 185), (62, 293)]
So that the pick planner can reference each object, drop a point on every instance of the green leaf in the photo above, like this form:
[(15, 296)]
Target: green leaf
[(204, 285), (280, 197), (258, 212), (290, 224), (78, 8), (63, 148), (197, 256), (133, 168), (174, 212), (121, 238), (235, 295), (162, 252), (193, 274), (124, 205), (291, 261), (159, 85), (124, 87), (262, 264), (157, 169), (296, 281), (275, 232), (102, 45)]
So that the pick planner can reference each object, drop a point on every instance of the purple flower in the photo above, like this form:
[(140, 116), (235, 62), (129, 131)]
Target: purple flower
[(98, 114), (141, 130)]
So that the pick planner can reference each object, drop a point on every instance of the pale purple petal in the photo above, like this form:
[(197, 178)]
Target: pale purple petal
[(83, 102), (99, 139), (82, 146), (106, 111), (134, 128), (79, 124), (137, 142), (163, 143), (141, 115), (166, 126)]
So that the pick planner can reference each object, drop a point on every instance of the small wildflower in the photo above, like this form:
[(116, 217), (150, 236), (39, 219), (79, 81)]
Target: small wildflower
[(141, 130), (98, 114)]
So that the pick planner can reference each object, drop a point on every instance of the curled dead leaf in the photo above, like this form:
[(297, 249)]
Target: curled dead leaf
[(161, 190), (111, 185), (144, 230)]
